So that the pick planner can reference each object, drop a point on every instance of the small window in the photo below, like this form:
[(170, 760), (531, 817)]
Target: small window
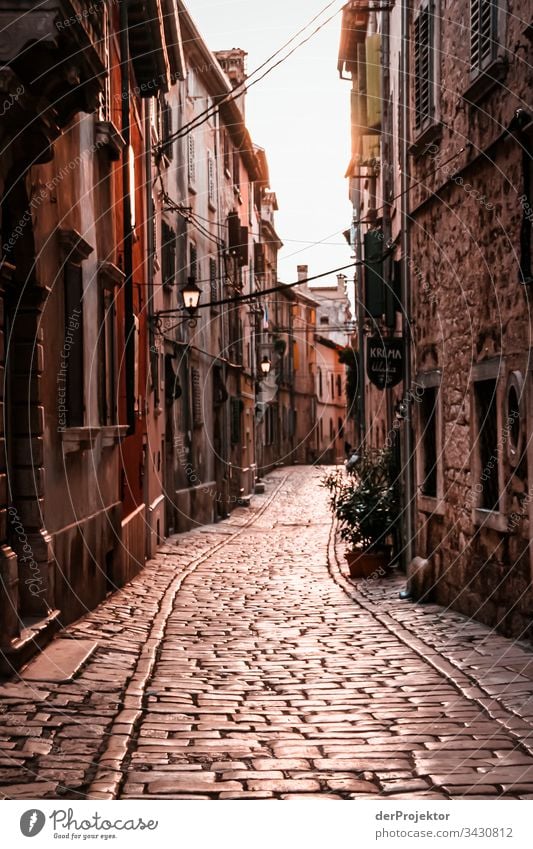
[(485, 394), (324, 319), (339, 385), (428, 435)]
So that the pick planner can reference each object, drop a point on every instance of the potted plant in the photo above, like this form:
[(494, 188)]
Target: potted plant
[(365, 503)]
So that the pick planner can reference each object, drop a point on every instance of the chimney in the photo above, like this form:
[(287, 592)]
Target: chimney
[(233, 63), (303, 272)]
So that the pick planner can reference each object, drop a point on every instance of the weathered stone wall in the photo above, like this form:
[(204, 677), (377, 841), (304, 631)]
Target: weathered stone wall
[(469, 307)]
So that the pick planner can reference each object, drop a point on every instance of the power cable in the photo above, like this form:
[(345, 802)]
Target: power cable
[(246, 84), (280, 288)]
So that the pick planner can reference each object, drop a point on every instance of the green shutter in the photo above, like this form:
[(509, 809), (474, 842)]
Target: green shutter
[(374, 283)]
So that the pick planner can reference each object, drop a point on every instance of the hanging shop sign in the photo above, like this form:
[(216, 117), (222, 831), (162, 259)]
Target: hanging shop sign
[(384, 361)]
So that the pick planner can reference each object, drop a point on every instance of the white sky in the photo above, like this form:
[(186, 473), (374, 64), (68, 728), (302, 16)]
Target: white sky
[(300, 114)]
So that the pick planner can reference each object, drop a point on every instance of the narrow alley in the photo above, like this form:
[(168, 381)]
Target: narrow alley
[(243, 663)]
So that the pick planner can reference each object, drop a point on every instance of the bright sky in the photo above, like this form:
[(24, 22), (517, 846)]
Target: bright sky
[(300, 114)]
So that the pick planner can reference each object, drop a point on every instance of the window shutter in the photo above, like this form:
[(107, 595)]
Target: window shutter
[(193, 263), (73, 282), (213, 281), (236, 409), (483, 32), (424, 61), (168, 255), (243, 247), (259, 258), (374, 283), (234, 231), (197, 417), (166, 129), (211, 182), (191, 158), (236, 169)]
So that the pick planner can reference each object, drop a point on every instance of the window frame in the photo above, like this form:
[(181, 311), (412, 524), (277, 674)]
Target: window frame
[(491, 369), (433, 504), (432, 119)]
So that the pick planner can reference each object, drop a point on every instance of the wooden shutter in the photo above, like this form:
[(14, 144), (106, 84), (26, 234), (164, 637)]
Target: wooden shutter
[(73, 336), (166, 129), (234, 231), (424, 65), (236, 169), (374, 284), (483, 32), (197, 418), (168, 255), (259, 258), (211, 181), (193, 261), (236, 410), (191, 158), (213, 279)]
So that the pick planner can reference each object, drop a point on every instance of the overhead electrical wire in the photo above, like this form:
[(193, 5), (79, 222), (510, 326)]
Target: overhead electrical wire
[(282, 287), (243, 87)]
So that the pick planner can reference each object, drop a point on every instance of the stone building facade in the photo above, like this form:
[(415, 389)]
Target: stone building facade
[(466, 266)]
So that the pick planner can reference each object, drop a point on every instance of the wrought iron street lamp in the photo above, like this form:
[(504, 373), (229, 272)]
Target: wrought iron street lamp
[(191, 294), (265, 365)]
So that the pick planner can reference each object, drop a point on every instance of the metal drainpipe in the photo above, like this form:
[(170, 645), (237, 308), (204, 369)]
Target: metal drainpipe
[(407, 441), (129, 323)]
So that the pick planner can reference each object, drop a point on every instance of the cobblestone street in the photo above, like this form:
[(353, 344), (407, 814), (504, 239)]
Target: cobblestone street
[(242, 663)]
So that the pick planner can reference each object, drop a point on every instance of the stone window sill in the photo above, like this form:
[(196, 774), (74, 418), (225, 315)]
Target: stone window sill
[(110, 137), (113, 434), (431, 134), (492, 519), (430, 505), (487, 79), (77, 439)]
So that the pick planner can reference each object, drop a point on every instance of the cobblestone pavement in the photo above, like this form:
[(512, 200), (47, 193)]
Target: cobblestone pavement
[(243, 663)]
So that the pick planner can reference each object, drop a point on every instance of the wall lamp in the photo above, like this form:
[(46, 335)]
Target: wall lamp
[(265, 366), (190, 295)]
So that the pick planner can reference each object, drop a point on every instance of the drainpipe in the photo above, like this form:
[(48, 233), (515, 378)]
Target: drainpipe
[(129, 322), (407, 434)]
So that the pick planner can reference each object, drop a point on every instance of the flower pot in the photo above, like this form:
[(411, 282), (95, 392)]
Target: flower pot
[(366, 564)]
